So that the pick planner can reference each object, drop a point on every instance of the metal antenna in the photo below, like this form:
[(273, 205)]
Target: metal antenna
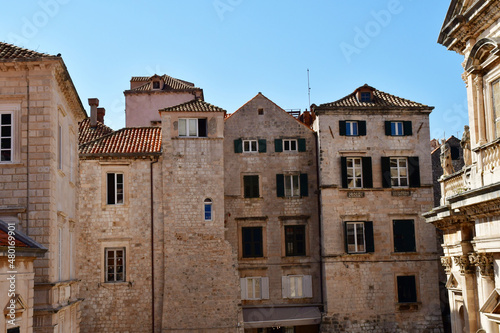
[(308, 88)]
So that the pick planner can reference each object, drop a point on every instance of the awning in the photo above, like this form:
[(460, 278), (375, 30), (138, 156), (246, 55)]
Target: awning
[(286, 316)]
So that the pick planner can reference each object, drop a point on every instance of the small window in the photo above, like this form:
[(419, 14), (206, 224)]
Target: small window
[(254, 288), (366, 97), (407, 289), (115, 264), (354, 172), (399, 172), (13, 330), (59, 147), (260, 111), (6, 137), (292, 186), (296, 286), (207, 209), (250, 146), (251, 186), (156, 85), (115, 188), (404, 236), (289, 144), (398, 128), (351, 128), (193, 127), (252, 242), (359, 237), (295, 240)]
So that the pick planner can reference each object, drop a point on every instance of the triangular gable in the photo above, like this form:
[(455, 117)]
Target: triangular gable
[(19, 305), (491, 308), (452, 283)]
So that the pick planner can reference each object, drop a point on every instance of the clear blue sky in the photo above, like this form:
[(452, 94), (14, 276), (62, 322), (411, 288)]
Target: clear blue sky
[(235, 48)]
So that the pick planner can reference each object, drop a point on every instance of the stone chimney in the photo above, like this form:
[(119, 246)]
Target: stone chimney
[(94, 103), (100, 114)]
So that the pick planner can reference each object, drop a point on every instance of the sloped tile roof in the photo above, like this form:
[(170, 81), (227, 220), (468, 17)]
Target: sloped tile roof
[(132, 140), (21, 240), (87, 133), (9, 51), (170, 83), (194, 106), (380, 100)]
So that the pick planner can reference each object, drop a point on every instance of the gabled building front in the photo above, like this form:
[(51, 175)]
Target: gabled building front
[(380, 265)]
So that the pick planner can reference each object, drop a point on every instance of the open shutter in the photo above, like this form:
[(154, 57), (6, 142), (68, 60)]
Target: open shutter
[(407, 128), (243, 286), (370, 244), (238, 146), (346, 247), (280, 186), (307, 285), (301, 144), (386, 172), (262, 145), (361, 127), (414, 171), (341, 127), (304, 191), (388, 128), (285, 286), (343, 167), (264, 285), (367, 172), (278, 145)]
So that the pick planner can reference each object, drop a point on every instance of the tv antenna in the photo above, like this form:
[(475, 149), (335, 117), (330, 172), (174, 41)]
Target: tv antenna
[(308, 89)]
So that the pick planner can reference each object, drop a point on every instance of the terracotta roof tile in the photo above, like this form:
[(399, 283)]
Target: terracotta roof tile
[(380, 100), (133, 140), (87, 133), (9, 51), (194, 106), (170, 83), (21, 240)]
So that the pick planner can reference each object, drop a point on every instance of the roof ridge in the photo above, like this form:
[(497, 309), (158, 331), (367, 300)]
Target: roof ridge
[(11, 51)]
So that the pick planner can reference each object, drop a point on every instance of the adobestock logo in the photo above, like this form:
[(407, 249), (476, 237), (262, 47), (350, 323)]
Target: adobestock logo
[(223, 6), (372, 29), (30, 27)]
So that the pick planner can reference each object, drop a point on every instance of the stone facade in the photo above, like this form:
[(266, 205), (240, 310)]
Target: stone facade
[(469, 210)]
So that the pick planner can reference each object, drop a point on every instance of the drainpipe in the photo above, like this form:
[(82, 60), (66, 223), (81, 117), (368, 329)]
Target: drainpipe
[(152, 248), (27, 154)]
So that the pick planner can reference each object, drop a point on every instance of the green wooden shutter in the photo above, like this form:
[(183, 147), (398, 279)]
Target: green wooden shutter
[(343, 168), (262, 145), (414, 171), (386, 172), (370, 244), (304, 190), (280, 186), (238, 146), (367, 172), (404, 236), (388, 128), (346, 247), (341, 127), (407, 128), (361, 127), (278, 145), (301, 144)]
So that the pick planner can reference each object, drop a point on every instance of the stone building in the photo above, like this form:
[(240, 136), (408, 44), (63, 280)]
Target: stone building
[(39, 114), (271, 216), (469, 211), (379, 257)]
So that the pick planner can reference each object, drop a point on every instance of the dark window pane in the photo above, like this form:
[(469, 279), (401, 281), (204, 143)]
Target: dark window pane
[(295, 239), (252, 242), (407, 290), (6, 119), (404, 236), (251, 186), (6, 131), (111, 188)]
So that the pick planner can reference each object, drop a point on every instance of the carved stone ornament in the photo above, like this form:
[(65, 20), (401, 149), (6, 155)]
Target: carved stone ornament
[(446, 262), (464, 264), (484, 261)]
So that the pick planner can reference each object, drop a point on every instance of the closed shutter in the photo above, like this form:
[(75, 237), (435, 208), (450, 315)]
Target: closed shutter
[(301, 144), (243, 286), (407, 128), (238, 146), (388, 128), (280, 186), (386, 172), (304, 191), (346, 247), (307, 285), (341, 127), (404, 236), (414, 171), (285, 286), (370, 244), (262, 145), (367, 172), (343, 168), (361, 127), (278, 145), (264, 285)]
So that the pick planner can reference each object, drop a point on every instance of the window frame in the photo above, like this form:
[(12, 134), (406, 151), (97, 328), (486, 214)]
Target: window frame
[(292, 185), (397, 130), (355, 237), (292, 239), (256, 245), (10, 137), (351, 128), (115, 185), (398, 168), (251, 143), (353, 168), (187, 127), (404, 243), (208, 203), (106, 264), (368, 237), (413, 289), (251, 192), (290, 144), (365, 96), (495, 107), (305, 286)]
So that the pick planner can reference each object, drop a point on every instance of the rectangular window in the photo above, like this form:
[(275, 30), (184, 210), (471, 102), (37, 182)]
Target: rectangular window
[(396, 128), (6, 137), (399, 172), (351, 128), (250, 146), (366, 97), (359, 237), (59, 254), (407, 289), (292, 186), (192, 127), (289, 144), (495, 87), (253, 288), (251, 186), (156, 84), (404, 236), (115, 264), (252, 242), (59, 147), (207, 209), (354, 172), (296, 286), (115, 188), (295, 240)]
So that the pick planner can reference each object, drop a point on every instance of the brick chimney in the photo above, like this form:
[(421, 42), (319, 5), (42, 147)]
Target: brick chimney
[(94, 103), (100, 114)]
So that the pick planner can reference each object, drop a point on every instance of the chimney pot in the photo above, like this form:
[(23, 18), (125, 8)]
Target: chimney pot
[(100, 114), (94, 103)]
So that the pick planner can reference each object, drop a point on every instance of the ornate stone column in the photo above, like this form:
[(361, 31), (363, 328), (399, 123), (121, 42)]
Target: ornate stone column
[(480, 116), (484, 263), (469, 290)]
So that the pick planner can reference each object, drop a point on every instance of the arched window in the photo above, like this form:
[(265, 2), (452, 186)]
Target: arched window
[(207, 204)]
